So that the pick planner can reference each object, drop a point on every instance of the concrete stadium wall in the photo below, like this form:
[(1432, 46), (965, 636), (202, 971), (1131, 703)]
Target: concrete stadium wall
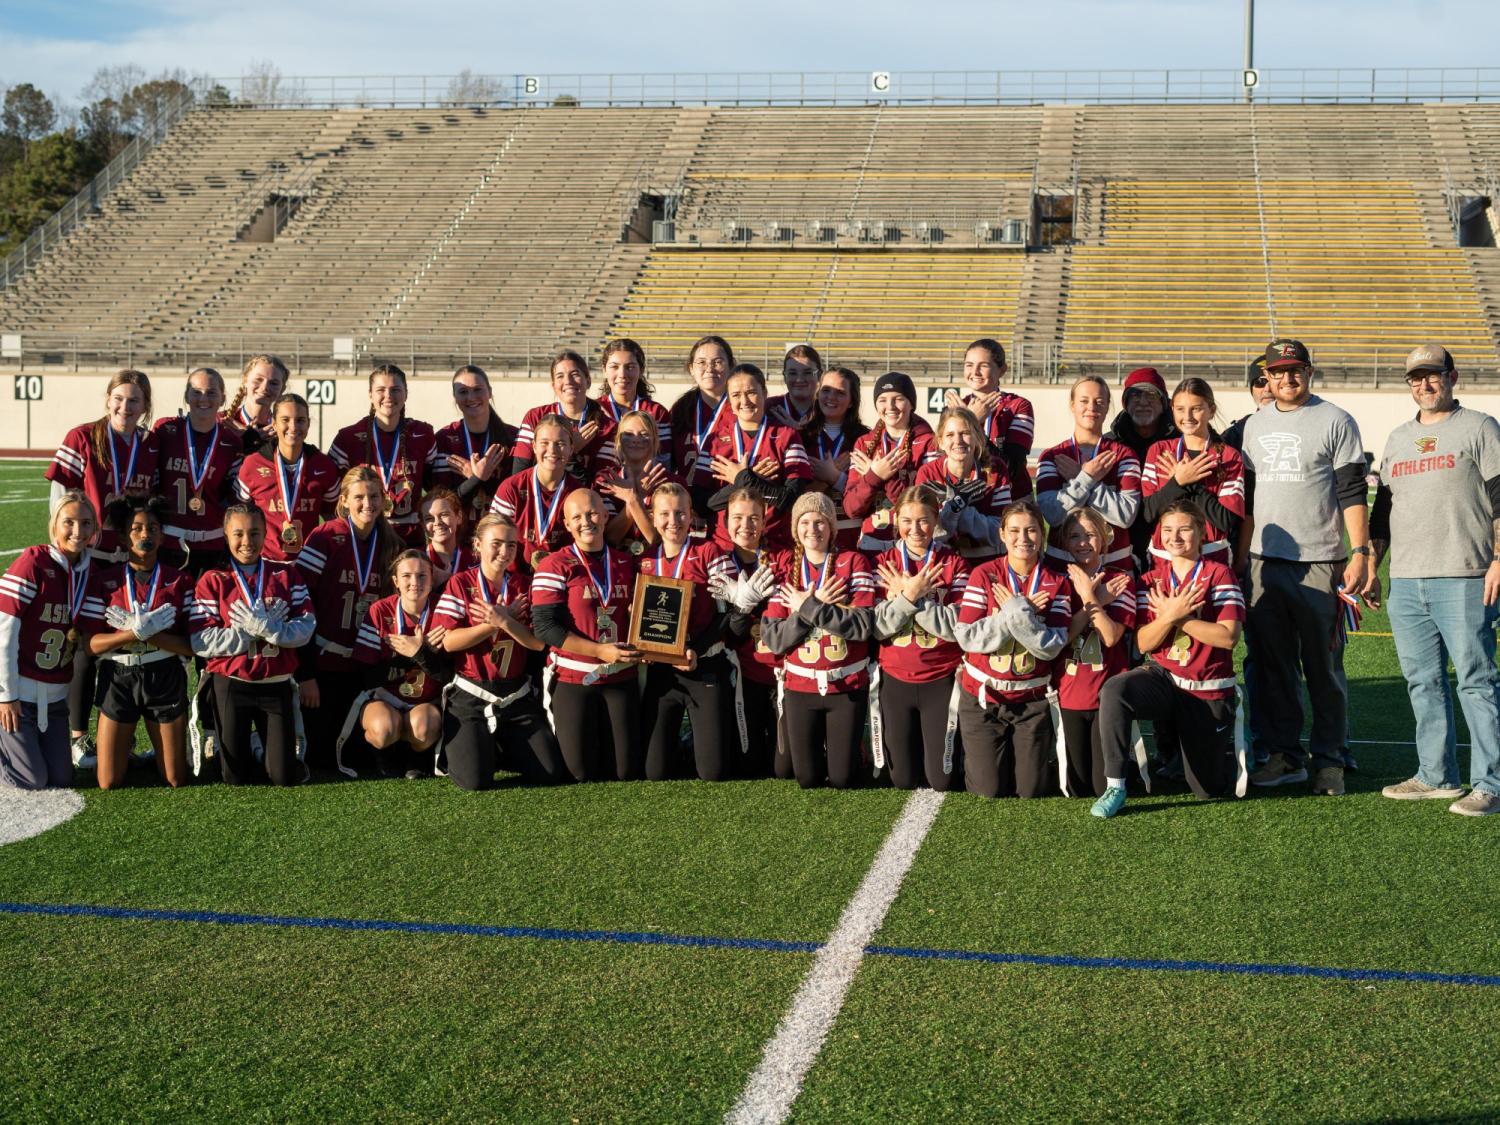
[(68, 399)]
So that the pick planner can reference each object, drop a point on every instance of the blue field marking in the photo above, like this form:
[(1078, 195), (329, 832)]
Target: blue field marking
[(759, 945)]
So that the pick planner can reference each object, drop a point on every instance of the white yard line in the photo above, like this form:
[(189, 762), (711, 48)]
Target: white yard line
[(773, 1088), (25, 814)]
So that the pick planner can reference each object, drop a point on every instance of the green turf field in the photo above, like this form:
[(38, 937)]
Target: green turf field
[(536, 954)]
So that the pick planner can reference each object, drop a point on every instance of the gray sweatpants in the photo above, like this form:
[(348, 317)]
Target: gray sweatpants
[(1293, 612), (32, 759)]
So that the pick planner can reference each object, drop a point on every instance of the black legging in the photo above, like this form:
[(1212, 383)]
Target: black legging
[(706, 695), (524, 740), (823, 734), (588, 718), (1205, 727), (322, 724), (1008, 747), (767, 756), (914, 725), (81, 688), (266, 708)]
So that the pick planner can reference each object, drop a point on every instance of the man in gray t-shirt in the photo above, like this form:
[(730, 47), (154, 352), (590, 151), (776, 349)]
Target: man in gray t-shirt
[(1308, 467), (1438, 511)]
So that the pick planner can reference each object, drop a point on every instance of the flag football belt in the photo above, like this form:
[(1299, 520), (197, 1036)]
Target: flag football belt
[(494, 704), (1226, 684), (826, 676), (325, 645), (136, 659), (187, 535), (592, 670), (1009, 687)]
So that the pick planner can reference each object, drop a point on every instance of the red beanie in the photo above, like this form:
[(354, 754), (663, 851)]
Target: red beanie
[(1145, 378)]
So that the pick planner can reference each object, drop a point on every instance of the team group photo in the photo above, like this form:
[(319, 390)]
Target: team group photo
[(943, 568)]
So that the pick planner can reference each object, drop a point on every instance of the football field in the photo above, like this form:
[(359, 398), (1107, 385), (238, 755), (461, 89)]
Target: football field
[(404, 950)]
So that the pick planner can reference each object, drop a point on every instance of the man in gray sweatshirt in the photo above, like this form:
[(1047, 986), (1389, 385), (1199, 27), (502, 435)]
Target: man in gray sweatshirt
[(1438, 511), (1309, 466)]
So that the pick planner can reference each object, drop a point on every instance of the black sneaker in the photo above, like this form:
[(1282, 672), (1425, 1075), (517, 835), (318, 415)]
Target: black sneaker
[(1329, 782)]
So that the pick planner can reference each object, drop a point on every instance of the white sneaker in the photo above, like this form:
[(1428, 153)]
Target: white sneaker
[(1477, 803), (1415, 789), (85, 756)]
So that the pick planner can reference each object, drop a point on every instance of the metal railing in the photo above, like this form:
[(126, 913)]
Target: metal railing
[(1031, 361), (88, 202), (828, 88)]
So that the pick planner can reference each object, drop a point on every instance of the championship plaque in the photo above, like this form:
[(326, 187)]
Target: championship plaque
[(659, 617)]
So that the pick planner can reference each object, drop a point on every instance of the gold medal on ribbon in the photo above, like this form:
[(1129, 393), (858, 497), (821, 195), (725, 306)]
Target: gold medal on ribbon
[(196, 505), (291, 535)]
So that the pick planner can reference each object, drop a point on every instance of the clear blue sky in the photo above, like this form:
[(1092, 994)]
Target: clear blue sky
[(57, 44)]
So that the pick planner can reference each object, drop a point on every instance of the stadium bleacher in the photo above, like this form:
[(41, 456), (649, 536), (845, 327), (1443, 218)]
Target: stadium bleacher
[(872, 231)]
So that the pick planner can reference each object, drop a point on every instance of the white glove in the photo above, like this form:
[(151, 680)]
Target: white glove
[(276, 612), (154, 622), (762, 584), (248, 620), (117, 618)]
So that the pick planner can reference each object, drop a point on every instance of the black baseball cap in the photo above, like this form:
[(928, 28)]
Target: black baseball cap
[(1287, 353)]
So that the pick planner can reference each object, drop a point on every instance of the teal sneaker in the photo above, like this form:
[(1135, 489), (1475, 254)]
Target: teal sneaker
[(1109, 804)]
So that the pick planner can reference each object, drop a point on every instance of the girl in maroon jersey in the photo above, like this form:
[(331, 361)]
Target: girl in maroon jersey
[(1007, 419), (971, 488), (346, 566), (592, 427), (801, 369), (293, 485), (1102, 603), (1090, 470), (1012, 624), (533, 498), (492, 705), (885, 461), (263, 380), (475, 453), (916, 710), (753, 452), (248, 620), (1190, 612), (626, 388), (107, 459), (41, 597), (813, 624), (136, 620), (626, 486), (699, 413), (401, 449), (1196, 466), (446, 531), (200, 455), (829, 436), (580, 598), (406, 668), (748, 579), (703, 686)]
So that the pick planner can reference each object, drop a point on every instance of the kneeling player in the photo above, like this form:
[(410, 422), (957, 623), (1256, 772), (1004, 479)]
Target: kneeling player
[(1191, 612), (407, 668), (136, 620)]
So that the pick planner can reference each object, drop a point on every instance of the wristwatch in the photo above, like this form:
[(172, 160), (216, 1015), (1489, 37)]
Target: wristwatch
[(1365, 550)]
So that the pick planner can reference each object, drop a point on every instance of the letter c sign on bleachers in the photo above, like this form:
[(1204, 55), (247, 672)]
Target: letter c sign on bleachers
[(880, 82)]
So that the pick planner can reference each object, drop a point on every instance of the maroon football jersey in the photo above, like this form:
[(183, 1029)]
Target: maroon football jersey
[(406, 682), (454, 440), (772, 441), (491, 659), (1227, 483), (821, 651), (1200, 669), (196, 467), (1124, 476), (40, 590), (131, 469), (344, 579), (572, 578), (540, 525), (914, 655), (1012, 674), (586, 461), (659, 414), (214, 600), (404, 459), (704, 421), (1012, 422), (757, 662), (1087, 663), (107, 586), (870, 499), (318, 492), (991, 502)]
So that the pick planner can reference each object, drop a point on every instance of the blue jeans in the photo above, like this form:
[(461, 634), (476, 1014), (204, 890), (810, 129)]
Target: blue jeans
[(1434, 619)]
